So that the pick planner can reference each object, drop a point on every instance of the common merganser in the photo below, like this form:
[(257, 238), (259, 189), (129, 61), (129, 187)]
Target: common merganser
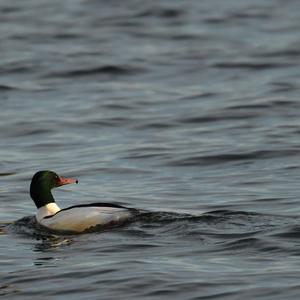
[(77, 218)]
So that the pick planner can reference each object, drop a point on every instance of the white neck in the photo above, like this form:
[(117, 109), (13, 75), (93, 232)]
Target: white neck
[(47, 210)]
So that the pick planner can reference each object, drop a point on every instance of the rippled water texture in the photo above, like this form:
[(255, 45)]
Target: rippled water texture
[(187, 110)]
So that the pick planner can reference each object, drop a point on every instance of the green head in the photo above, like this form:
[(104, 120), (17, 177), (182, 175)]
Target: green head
[(41, 185)]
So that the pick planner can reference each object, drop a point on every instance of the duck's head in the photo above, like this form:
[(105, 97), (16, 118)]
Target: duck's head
[(41, 185)]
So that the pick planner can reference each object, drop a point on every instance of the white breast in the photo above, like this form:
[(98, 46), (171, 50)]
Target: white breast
[(81, 218)]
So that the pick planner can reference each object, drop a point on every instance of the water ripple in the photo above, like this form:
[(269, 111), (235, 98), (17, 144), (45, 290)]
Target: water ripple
[(111, 70), (231, 157)]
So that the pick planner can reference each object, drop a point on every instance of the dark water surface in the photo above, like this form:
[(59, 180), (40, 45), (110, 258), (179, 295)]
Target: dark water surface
[(188, 110)]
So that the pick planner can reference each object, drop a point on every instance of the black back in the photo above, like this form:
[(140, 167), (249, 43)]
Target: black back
[(98, 204)]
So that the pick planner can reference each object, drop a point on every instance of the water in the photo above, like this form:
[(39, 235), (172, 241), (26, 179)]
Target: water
[(188, 110)]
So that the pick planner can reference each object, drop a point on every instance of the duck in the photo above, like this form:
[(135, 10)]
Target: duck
[(76, 218)]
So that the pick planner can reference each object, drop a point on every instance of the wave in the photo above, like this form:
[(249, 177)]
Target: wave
[(168, 13), (111, 70), (4, 87), (231, 157), (255, 66)]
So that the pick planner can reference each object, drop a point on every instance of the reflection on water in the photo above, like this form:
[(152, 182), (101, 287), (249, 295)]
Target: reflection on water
[(52, 243), (6, 290)]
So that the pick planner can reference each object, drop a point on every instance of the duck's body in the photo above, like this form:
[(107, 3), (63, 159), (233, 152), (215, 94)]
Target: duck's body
[(82, 217), (76, 218)]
